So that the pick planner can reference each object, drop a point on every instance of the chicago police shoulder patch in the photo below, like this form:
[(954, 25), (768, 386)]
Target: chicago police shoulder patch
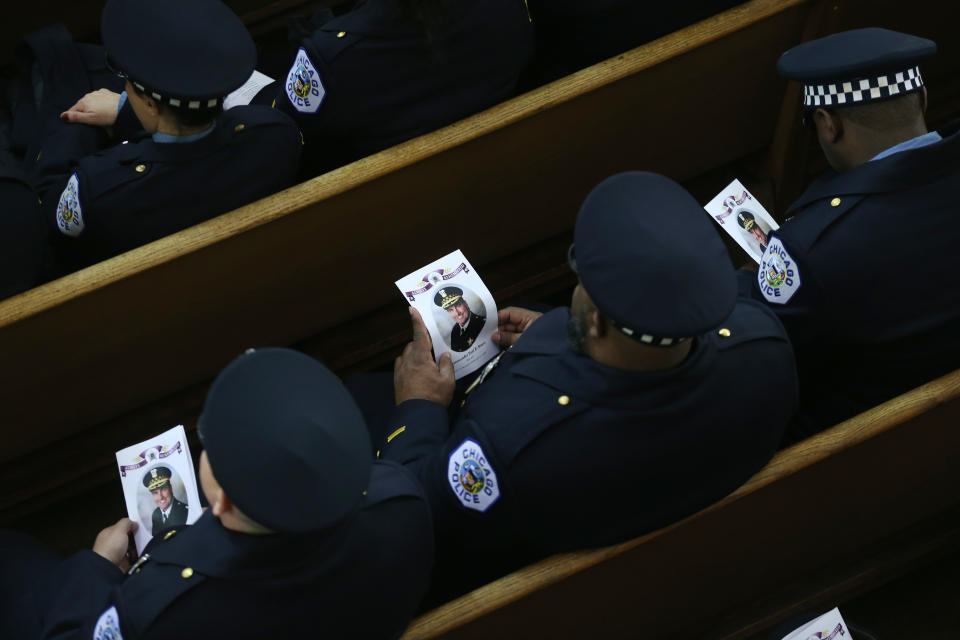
[(69, 211), (778, 276), (471, 476), (108, 626), (304, 87)]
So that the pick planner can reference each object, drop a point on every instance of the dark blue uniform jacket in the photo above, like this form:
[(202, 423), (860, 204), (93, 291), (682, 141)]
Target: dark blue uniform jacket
[(876, 311), (339, 583), (554, 451), (376, 76), (131, 194)]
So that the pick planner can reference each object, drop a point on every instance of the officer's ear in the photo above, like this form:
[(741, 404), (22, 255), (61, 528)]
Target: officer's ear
[(829, 125), (923, 100), (221, 504), (596, 324)]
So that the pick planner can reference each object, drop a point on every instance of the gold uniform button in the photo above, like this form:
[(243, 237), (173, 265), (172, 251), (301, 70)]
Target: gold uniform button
[(364, 492), (186, 573), (835, 202), (341, 34), (140, 168), (564, 400), (240, 127), (724, 333), (169, 534)]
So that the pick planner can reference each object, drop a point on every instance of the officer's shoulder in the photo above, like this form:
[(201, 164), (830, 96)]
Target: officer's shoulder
[(113, 168), (390, 480), (252, 116), (751, 320)]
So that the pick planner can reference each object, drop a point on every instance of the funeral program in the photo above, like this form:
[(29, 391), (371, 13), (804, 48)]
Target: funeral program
[(744, 218), (457, 309), (159, 484)]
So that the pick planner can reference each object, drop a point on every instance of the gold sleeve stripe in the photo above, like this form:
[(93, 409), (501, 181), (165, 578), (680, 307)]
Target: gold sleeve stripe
[(396, 433)]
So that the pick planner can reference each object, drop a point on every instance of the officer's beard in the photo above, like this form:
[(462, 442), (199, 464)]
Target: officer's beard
[(577, 331)]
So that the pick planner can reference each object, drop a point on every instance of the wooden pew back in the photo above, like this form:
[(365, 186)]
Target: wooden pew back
[(133, 330), (824, 518)]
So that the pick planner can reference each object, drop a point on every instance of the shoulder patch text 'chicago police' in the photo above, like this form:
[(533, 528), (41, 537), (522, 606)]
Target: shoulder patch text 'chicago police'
[(304, 88), (108, 626), (471, 477), (778, 276), (69, 211)]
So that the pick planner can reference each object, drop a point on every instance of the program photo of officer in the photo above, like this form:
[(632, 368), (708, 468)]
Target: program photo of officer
[(169, 511), (467, 324), (756, 235)]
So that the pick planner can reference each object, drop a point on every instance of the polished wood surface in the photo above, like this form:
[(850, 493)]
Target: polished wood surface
[(802, 524)]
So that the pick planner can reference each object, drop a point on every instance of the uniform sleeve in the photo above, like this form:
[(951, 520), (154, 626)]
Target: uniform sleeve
[(83, 598), (787, 282), (457, 469), (60, 154), (127, 124)]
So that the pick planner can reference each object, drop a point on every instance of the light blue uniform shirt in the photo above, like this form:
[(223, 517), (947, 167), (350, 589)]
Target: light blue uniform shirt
[(166, 137), (913, 143)]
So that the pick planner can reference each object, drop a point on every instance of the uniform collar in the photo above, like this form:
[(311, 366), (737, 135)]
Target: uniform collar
[(172, 139), (892, 173), (542, 354), (211, 549), (912, 143)]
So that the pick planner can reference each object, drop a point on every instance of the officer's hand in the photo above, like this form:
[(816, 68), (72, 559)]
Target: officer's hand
[(111, 543), (97, 108), (415, 373), (513, 321)]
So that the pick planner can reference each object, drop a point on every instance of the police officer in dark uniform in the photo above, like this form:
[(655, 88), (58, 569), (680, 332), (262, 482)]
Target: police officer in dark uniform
[(305, 536), (184, 159), (466, 324), (748, 222), (23, 243), (390, 70), (606, 420), (862, 272), (170, 512)]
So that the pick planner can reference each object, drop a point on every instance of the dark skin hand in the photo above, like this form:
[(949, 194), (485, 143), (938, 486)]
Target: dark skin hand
[(416, 375), (513, 321), (112, 542)]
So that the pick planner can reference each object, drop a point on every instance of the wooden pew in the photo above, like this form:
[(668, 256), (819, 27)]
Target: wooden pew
[(94, 356), (840, 512), (123, 349)]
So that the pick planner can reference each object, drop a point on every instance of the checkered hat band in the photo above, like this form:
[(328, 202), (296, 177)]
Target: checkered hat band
[(644, 338), (183, 103), (862, 90)]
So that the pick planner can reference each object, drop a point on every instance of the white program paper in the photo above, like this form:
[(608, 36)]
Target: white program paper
[(829, 626), (248, 91), (457, 309), (177, 501), (743, 217)]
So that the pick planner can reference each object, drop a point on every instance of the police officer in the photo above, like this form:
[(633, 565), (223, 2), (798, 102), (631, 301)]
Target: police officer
[(305, 536), (188, 162), (861, 273), (170, 512), (606, 420), (389, 70), (23, 243), (466, 324), (755, 234)]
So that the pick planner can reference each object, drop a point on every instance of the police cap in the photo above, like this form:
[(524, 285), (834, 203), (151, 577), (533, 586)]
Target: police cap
[(746, 220), (286, 441), (447, 297), (858, 66), (189, 54), (649, 259), (157, 478)]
